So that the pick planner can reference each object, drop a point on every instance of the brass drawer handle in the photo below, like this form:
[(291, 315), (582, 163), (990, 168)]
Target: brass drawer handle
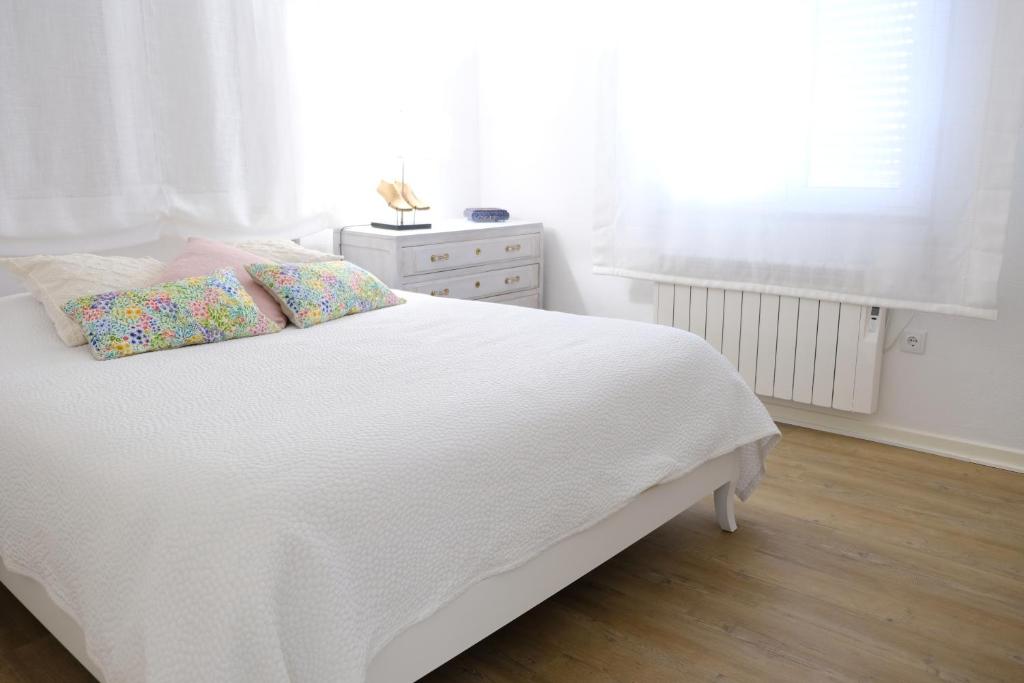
[(511, 280), (478, 251), (478, 284), (513, 247), (434, 258), (442, 292)]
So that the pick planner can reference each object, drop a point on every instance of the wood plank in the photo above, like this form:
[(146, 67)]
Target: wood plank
[(767, 336), (731, 326), (681, 307), (847, 340), (806, 340), (698, 310), (825, 353), (749, 320), (714, 326), (785, 348)]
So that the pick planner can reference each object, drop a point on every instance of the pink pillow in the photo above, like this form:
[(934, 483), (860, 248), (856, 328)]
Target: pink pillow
[(202, 257)]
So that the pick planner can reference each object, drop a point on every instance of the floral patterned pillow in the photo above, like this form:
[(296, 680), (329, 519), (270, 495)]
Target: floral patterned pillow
[(195, 310), (312, 293)]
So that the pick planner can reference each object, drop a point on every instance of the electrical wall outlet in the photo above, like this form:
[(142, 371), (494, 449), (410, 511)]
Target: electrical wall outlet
[(913, 341)]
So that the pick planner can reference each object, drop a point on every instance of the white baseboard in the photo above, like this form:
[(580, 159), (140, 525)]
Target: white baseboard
[(960, 449)]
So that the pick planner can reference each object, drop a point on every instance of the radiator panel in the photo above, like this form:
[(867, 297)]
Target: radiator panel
[(750, 316), (816, 352), (715, 318), (785, 347), (825, 353), (767, 338), (803, 362), (731, 326), (848, 338), (698, 310)]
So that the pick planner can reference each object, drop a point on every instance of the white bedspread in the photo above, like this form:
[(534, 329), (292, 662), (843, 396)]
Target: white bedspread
[(278, 508)]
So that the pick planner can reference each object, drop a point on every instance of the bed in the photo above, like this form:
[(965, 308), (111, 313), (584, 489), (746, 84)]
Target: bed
[(361, 500)]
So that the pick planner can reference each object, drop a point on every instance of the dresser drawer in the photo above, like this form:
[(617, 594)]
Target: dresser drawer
[(482, 285), (526, 299), (429, 258)]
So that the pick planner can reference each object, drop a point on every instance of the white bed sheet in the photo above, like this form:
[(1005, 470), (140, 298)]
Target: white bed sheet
[(279, 508)]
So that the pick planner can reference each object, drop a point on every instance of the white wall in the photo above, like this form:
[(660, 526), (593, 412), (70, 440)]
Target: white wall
[(537, 158)]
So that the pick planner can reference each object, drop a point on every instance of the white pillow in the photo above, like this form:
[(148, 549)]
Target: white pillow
[(55, 280), (285, 251)]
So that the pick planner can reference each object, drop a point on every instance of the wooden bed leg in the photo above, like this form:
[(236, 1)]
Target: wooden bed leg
[(724, 509)]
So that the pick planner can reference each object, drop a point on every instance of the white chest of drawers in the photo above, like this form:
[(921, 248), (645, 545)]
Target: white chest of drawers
[(500, 262)]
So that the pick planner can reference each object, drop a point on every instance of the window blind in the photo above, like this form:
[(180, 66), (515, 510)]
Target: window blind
[(863, 91)]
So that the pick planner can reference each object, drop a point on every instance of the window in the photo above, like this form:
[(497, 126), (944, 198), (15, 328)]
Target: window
[(798, 105), (851, 150)]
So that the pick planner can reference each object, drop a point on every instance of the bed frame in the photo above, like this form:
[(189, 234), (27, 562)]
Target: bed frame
[(487, 605), (491, 603)]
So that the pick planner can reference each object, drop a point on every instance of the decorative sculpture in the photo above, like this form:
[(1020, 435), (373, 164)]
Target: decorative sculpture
[(400, 197)]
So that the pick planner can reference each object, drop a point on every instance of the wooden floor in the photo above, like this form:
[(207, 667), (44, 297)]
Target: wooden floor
[(853, 561)]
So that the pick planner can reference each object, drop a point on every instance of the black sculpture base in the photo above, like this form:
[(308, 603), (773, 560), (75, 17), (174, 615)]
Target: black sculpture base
[(400, 226)]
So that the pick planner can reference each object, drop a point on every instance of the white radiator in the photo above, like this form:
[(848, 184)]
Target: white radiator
[(817, 352)]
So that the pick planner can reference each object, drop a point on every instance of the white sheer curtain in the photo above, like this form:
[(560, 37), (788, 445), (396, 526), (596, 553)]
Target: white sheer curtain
[(121, 120), (855, 151), (120, 117)]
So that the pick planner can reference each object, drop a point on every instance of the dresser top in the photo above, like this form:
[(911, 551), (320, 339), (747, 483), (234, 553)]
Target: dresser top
[(450, 226)]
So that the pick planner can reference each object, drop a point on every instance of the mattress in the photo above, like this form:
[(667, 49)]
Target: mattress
[(281, 507)]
